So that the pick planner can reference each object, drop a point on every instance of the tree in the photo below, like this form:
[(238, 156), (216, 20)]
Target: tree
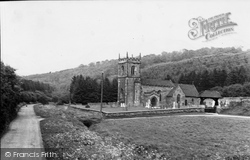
[(168, 77), (246, 89), (10, 96), (242, 75), (182, 79), (232, 77), (235, 90), (205, 83), (86, 90)]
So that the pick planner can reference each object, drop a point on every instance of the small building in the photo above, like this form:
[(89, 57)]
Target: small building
[(210, 99), (214, 95)]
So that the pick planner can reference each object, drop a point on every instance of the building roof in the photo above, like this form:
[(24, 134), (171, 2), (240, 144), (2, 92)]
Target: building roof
[(210, 94), (157, 82), (188, 89), (153, 92), (170, 94)]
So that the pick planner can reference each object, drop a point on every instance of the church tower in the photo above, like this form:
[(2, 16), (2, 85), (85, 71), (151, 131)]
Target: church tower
[(129, 80)]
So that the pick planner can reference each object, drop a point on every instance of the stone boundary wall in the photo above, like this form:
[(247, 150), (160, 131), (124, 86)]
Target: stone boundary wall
[(85, 109), (104, 104), (236, 99), (147, 113), (157, 112), (225, 101)]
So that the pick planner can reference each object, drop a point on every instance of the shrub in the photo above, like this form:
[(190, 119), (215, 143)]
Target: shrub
[(10, 96), (60, 102)]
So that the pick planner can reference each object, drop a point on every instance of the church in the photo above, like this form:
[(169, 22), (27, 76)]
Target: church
[(151, 93)]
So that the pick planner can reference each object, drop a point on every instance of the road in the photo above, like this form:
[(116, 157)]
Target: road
[(220, 115), (24, 132), (190, 115)]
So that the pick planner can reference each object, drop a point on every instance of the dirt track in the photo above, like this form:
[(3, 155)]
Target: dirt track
[(24, 136), (24, 131)]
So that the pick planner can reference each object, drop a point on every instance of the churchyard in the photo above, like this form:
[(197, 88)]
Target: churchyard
[(109, 109), (75, 133)]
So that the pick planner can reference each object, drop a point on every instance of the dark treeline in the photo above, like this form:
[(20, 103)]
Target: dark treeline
[(85, 90), (234, 83), (10, 96), (35, 91), (16, 92), (29, 85)]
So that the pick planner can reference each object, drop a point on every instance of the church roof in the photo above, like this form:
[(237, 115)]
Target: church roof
[(210, 94), (188, 89), (170, 94), (157, 82), (152, 92)]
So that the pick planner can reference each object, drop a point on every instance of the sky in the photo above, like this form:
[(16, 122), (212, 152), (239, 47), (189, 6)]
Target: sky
[(47, 36)]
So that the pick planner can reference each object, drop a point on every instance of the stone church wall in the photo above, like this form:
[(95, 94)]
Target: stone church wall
[(151, 88), (161, 100), (121, 89), (192, 101), (137, 100), (177, 92), (164, 101)]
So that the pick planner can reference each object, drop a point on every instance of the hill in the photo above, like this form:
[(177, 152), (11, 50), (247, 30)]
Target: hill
[(160, 66), (220, 61), (61, 79)]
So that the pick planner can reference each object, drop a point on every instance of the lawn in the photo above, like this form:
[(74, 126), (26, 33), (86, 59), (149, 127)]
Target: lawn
[(180, 137)]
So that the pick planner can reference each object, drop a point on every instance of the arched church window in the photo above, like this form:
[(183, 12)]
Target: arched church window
[(133, 70), (178, 98), (122, 69)]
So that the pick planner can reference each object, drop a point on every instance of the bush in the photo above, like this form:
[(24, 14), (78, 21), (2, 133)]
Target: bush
[(10, 96), (60, 102)]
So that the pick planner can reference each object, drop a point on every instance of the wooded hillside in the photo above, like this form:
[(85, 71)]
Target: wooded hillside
[(162, 66)]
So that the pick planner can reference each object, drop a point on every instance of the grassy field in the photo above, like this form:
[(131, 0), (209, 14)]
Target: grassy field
[(64, 131), (180, 137)]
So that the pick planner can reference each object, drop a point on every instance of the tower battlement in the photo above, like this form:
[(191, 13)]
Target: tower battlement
[(130, 59), (129, 78)]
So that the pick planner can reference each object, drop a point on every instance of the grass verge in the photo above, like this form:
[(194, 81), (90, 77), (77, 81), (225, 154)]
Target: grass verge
[(64, 133)]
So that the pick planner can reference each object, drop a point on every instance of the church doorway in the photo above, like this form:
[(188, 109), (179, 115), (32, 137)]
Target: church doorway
[(153, 102), (179, 100)]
